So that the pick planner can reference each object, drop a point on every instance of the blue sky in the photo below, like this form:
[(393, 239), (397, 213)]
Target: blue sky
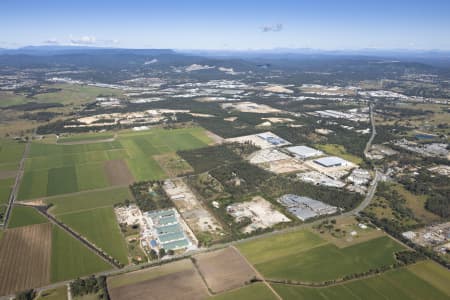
[(214, 24)]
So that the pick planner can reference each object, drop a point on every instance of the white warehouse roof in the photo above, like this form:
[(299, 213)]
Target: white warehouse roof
[(304, 151), (331, 161)]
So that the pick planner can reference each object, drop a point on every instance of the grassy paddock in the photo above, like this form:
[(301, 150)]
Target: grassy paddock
[(305, 256), (71, 259), (100, 227), (88, 200), (24, 216), (399, 284)]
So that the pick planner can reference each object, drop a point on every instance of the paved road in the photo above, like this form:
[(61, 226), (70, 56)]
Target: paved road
[(15, 189), (374, 131)]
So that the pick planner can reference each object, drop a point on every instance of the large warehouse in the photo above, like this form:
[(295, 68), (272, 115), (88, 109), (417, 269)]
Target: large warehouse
[(304, 152), (331, 161)]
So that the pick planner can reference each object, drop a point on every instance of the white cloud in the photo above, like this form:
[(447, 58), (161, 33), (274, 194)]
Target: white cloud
[(272, 28), (84, 40)]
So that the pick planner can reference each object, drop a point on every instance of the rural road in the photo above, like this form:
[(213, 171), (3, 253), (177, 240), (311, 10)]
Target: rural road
[(15, 189)]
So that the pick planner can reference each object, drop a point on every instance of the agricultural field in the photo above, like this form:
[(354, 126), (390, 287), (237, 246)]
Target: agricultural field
[(177, 280), (224, 269), (87, 137), (256, 291), (25, 258), (10, 154), (303, 257), (91, 214), (5, 189), (100, 227), (88, 200), (71, 259), (55, 169), (24, 215), (402, 284)]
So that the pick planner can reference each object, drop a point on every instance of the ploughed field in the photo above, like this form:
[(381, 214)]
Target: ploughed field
[(25, 258), (54, 169)]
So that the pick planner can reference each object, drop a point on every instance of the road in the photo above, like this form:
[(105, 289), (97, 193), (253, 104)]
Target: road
[(374, 131), (15, 189)]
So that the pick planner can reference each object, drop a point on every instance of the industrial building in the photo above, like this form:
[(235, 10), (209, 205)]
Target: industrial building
[(164, 229), (303, 152), (331, 161), (305, 208)]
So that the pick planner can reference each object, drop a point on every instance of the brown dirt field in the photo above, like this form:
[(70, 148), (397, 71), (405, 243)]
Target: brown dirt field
[(118, 173), (224, 269), (25, 254), (7, 174), (184, 285)]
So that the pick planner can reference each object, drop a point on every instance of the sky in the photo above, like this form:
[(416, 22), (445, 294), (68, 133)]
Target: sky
[(227, 25)]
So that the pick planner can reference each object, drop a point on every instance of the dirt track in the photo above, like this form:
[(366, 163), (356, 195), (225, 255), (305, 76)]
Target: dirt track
[(25, 258)]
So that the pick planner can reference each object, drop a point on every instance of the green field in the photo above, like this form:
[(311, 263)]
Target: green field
[(303, 256), (71, 259), (5, 189), (339, 150), (400, 284), (54, 294), (10, 154), (85, 137), (100, 227), (88, 200), (56, 169), (23, 216), (256, 291)]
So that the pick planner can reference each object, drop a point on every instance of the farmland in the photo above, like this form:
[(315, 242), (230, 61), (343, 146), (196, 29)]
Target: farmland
[(71, 259), (88, 200), (284, 259), (224, 270), (396, 284), (23, 216), (5, 189), (100, 227), (257, 291), (178, 280), (55, 169), (25, 258)]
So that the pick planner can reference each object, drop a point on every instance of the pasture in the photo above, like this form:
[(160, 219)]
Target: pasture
[(399, 284), (5, 189), (25, 258), (71, 259), (88, 200), (56, 169), (10, 154), (24, 215), (100, 227), (304, 257)]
